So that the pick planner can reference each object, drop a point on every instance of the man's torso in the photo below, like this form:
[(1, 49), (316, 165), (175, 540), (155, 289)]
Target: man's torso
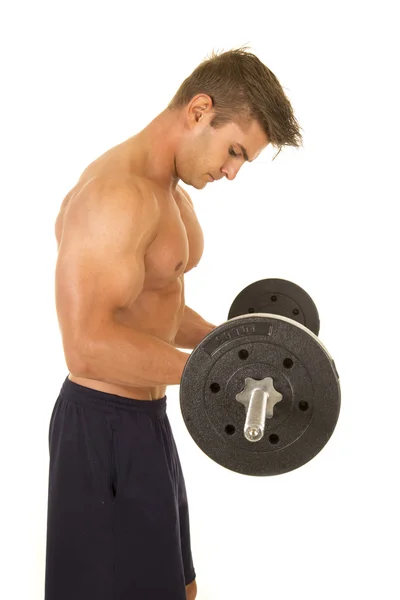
[(176, 249)]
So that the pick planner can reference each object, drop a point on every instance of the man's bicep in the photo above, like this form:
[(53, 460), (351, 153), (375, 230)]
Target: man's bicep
[(100, 266)]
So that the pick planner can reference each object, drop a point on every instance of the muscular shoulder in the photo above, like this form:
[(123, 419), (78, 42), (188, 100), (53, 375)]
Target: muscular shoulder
[(115, 203), (116, 195), (120, 189)]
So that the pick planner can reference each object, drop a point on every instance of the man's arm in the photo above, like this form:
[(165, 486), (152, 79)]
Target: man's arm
[(100, 270), (192, 330)]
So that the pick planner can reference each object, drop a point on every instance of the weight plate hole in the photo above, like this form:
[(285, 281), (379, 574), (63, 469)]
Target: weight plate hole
[(215, 387), (230, 429), (296, 311), (274, 298), (288, 363), (303, 405), (243, 354), (273, 438)]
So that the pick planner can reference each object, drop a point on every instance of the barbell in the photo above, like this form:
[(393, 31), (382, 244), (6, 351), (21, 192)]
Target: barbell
[(260, 395)]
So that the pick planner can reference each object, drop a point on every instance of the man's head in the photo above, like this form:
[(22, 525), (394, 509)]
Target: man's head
[(232, 104)]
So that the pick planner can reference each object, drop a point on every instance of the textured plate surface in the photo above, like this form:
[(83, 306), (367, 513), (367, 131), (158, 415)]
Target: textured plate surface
[(260, 346)]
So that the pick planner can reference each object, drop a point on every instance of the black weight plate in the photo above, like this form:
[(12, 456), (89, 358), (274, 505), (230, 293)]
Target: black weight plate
[(277, 297), (260, 346)]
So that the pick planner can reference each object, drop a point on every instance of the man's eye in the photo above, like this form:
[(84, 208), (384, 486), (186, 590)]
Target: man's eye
[(233, 153)]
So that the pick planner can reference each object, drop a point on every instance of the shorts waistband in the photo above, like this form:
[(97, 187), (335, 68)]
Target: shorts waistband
[(78, 393)]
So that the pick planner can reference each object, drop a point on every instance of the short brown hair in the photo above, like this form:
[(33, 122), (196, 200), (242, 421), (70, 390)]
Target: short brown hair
[(243, 89)]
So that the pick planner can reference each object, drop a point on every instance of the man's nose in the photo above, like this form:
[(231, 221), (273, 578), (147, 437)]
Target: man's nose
[(230, 172)]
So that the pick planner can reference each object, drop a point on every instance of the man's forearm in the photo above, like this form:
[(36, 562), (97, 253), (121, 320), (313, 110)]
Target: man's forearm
[(192, 330), (118, 354)]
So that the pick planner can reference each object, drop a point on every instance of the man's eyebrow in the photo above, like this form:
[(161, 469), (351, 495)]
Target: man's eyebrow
[(244, 152)]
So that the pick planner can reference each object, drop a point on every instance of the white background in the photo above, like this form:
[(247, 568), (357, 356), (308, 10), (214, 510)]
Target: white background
[(80, 77)]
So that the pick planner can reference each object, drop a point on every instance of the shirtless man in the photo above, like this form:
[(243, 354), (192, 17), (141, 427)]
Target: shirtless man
[(118, 520)]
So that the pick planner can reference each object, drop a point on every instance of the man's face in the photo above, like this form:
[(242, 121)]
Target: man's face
[(207, 153)]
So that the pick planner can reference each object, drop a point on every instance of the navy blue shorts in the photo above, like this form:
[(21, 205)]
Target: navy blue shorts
[(118, 520)]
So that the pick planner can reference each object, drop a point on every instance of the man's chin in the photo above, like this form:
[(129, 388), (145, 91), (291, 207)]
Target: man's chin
[(198, 184)]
